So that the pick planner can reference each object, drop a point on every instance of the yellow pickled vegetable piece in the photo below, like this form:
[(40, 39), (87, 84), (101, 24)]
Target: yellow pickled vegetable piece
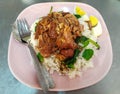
[(94, 20), (79, 11)]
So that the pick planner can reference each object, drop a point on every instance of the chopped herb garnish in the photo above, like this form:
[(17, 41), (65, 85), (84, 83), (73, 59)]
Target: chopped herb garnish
[(51, 9), (87, 54), (36, 27), (40, 57), (77, 16)]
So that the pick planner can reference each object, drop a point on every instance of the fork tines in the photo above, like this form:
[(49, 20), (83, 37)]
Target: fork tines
[(23, 28)]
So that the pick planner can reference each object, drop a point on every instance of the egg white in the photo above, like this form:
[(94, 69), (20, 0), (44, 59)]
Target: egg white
[(97, 30)]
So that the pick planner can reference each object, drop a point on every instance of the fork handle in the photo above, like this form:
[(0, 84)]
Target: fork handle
[(49, 78), (39, 70)]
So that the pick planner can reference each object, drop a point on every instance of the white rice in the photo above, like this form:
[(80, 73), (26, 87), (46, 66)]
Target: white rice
[(81, 64)]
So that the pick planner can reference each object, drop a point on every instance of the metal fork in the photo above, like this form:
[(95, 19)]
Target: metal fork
[(44, 78)]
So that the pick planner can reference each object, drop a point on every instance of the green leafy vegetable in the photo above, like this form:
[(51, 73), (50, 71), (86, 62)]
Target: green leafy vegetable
[(95, 43), (70, 61), (77, 16), (71, 65), (85, 41), (40, 57), (76, 53), (77, 40), (87, 54)]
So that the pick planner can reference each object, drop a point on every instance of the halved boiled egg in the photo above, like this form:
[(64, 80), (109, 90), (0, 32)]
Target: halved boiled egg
[(94, 20), (97, 30), (79, 11)]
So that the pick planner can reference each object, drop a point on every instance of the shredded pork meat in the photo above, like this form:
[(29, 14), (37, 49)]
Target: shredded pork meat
[(56, 34)]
